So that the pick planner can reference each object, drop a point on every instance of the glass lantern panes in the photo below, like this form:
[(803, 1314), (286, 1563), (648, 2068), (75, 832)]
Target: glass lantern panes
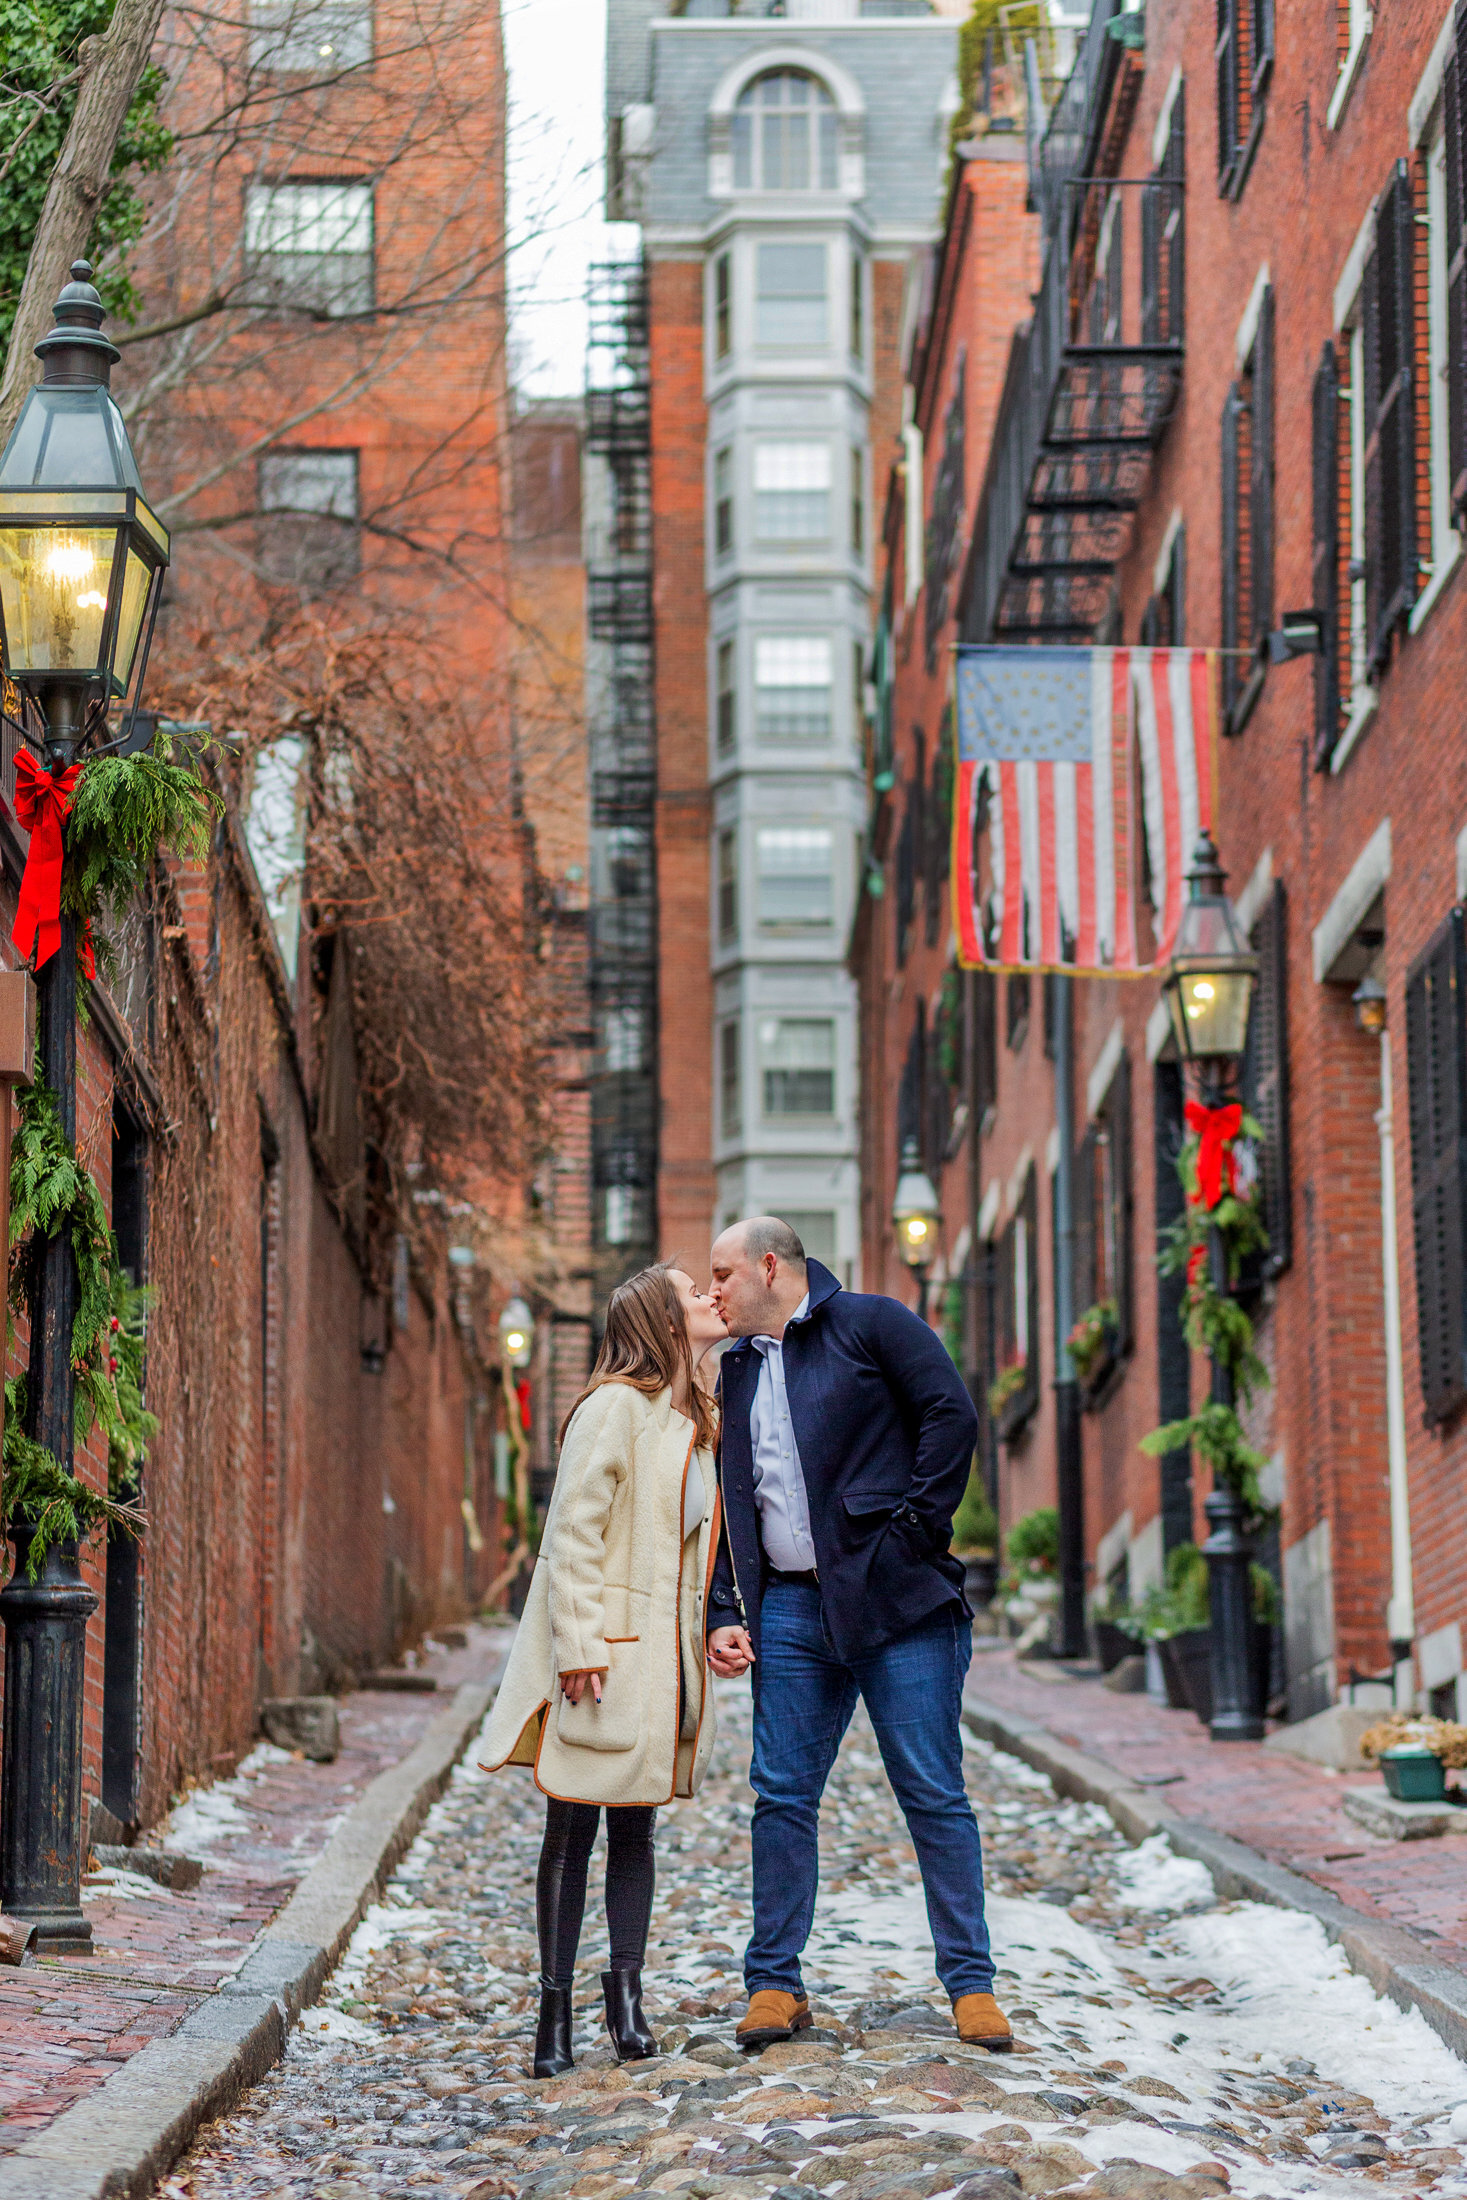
[(53, 597)]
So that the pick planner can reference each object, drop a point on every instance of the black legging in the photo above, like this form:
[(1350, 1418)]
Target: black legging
[(560, 1889)]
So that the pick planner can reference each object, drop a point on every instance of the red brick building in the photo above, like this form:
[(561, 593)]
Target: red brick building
[(317, 392), (1255, 232)]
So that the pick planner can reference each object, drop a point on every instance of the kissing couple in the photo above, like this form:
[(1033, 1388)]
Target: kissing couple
[(794, 1526)]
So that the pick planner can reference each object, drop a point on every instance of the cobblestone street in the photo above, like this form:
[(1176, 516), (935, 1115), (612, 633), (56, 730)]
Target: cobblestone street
[(1169, 2047)]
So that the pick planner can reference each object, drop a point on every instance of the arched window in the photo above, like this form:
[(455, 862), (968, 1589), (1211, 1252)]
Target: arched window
[(784, 134)]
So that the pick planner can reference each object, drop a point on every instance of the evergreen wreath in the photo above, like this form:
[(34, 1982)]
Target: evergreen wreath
[(1212, 1320)]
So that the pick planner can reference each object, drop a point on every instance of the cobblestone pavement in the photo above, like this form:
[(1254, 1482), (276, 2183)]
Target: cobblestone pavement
[(66, 2024), (1169, 2047), (1287, 1809)]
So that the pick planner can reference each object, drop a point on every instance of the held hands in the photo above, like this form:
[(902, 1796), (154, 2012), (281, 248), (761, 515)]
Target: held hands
[(573, 1686), (730, 1652)]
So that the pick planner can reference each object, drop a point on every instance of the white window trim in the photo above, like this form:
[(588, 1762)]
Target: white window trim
[(1247, 334), (1446, 543), (1352, 274), (1428, 91), (1161, 136), (1161, 572), (1362, 23)]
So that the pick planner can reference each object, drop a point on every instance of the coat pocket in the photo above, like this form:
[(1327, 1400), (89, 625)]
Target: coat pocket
[(616, 1722), (865, 1504)]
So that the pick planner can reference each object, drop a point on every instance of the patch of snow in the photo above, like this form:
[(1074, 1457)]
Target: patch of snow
[(205, 1816), (1152, 1877), (260, 1758), (123, 1886)]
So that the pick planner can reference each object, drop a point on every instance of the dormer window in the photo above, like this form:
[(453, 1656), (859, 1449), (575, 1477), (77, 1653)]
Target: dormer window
[(784, 134)]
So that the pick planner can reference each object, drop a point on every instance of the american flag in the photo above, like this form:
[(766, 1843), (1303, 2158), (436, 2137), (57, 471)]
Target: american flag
[(1059, 739)]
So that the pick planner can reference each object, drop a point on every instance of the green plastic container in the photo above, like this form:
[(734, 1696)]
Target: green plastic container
[(1413, 1774)]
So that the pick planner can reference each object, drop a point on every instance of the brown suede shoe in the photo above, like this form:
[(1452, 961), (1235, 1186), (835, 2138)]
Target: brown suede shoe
[(771, 2016), (982, 2023)]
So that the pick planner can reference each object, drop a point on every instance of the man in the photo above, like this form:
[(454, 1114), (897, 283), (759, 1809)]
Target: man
[(847, 1440)]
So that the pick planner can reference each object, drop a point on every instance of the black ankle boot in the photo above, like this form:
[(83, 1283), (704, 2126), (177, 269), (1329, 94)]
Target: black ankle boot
[(553, 2032), (630, 2035)]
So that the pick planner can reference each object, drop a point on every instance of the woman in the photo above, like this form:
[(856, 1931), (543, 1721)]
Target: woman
[(605, 1691)]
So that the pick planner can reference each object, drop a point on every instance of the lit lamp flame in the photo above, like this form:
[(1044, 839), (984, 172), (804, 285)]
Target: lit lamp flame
[(70, 560), (515, 1341)]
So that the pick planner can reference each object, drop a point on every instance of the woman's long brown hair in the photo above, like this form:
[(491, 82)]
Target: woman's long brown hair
[(646, 1345)]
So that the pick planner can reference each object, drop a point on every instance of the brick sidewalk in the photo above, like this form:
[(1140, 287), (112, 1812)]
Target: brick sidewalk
[(67, 2023), (1289, 1811)]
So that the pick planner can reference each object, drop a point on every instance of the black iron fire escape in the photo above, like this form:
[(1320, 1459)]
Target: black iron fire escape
[(623, 927), (1092, 380)]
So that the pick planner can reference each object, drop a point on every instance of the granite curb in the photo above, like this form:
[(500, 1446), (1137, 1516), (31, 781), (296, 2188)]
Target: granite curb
[(121, 2139), (1395, 1961)]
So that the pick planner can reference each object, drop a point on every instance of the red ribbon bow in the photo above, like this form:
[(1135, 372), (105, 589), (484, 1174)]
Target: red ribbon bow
[(1216, 1129)]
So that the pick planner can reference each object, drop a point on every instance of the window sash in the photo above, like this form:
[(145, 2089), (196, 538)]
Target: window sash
[(310, 245), (795, 877), (791, 301), (730, 1078), (728, 885), (310, 37), (726, 699), (793, 687), (797, 1060)]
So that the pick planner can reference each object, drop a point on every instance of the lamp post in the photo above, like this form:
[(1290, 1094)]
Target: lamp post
[(915, 1216), (1209, 990), (82, 559)]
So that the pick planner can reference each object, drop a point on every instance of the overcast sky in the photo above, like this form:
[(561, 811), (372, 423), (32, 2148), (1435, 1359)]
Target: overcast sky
[(555, 51)]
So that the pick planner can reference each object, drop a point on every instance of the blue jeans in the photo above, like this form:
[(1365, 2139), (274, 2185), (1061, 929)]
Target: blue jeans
[(803, 1699)]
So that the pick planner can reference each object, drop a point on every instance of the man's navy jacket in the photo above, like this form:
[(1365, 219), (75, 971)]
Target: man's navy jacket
[(886, 1432)]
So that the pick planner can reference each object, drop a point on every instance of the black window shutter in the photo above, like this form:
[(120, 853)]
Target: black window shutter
[(1266, 1076), (1434, 1065), (1225, 62), (1118, 1120), (1231, 607), (985, 1041), (1454, 130), (1260, 484), (1031, 1214), (1151, 622), (1174, 227), (1153, 216), (1390, 416), (1084, 1194), (1325, 405), (1262, 43), (1173, 1357)]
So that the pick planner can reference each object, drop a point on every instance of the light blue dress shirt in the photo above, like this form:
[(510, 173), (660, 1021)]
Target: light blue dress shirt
[(779, 1480)]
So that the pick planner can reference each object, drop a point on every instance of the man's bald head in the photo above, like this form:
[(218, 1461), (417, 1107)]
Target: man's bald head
[(759, 1276)]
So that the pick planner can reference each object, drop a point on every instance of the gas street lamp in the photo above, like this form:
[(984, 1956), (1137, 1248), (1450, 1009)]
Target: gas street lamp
[(915, 1217), (82, 558), (517, 1333), (1209, 992)]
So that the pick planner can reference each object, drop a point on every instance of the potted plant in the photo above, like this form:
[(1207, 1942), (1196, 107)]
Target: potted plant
[(1116, 1630), (1414, 1753), (1031, 1582), (975, 1542), (1010, 1399), (1092, 1345)]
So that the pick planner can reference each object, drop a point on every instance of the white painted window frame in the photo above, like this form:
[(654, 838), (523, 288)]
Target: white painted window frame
[(1446, 542), (1362, 23)]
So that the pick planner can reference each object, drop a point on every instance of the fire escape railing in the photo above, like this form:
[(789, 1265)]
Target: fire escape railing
[(1091, 384)]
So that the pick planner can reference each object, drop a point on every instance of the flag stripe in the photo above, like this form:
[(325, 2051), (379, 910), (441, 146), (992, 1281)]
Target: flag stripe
[(1077, 747)]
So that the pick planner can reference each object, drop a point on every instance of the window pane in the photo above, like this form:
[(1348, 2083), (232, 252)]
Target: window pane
[(730, 1082), (722, 312), (621, 1039), (792, 492), (791, 295), (858, 306), (795, 876), (797, 1055), (726, 698), (784, 134), (816, 1232), (310, 37), (792, 687), (728, 884), (723, 501), (310, 245), (311, 539)]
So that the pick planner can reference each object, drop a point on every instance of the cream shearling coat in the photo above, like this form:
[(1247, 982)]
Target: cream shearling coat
[(613, 1592)]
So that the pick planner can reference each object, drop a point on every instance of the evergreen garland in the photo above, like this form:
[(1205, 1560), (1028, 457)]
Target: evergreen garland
[(124, 809), (1214, 1322)]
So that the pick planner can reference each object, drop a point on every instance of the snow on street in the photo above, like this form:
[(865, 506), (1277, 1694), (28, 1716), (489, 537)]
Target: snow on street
[(1170, 2047)]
